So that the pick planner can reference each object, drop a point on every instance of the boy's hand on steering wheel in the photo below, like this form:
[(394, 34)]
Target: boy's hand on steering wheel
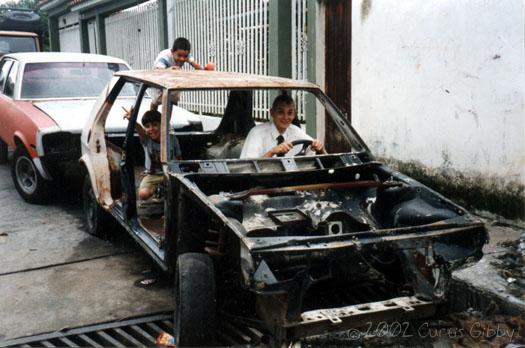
[(317, 145), (282, 148)]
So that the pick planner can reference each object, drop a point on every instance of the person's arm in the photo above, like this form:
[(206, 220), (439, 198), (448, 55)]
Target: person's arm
[(138, 127), (196, 65)]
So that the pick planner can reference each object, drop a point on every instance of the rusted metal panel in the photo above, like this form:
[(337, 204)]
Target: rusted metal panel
[(338, 65), (200, 79)]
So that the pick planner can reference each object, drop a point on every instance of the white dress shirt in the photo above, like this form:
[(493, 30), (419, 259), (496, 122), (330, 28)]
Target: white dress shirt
[(263, 137)]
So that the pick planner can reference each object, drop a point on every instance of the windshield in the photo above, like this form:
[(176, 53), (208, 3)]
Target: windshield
[(66, 80), (12, 44), (250, 124)]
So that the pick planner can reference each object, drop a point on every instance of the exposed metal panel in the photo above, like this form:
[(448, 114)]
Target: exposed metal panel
[(132, 35)]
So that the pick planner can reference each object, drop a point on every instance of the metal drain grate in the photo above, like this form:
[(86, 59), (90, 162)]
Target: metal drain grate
[(136, 332)]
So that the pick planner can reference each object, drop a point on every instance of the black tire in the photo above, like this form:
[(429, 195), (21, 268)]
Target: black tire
[(195, 303), (99, 223), (3, 152), (28, 182)]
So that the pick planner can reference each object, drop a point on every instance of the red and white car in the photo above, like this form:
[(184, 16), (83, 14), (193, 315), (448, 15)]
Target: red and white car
[(45, 99)]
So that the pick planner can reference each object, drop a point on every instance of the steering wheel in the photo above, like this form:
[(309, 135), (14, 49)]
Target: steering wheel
[(305, 143)]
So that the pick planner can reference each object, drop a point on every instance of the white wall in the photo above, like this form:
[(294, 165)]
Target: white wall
[(69, 33), (442, 82)]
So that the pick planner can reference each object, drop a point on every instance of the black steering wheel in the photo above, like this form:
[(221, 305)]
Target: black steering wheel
[(305, 143)]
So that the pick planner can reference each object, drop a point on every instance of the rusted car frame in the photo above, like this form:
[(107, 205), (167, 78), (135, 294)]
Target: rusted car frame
[(277, 233)]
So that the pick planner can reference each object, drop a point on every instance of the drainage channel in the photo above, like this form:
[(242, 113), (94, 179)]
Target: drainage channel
[(142, 331), (135, 332)]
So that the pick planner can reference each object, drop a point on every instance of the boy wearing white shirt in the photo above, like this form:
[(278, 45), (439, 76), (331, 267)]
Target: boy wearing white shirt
[(275, 137)]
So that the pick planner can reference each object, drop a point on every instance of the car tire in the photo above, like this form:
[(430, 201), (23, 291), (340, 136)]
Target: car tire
[(195, 303), (99, 223), (28, 182), (3, 152)]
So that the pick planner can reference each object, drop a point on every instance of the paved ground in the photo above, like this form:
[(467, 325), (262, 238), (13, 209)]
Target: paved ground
[(485, 276), (53, 275)]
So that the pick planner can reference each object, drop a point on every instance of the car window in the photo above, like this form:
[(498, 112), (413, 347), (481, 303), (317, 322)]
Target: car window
[(9, 87), (124, 102), (11, 44), (4, 70), (66, 79)]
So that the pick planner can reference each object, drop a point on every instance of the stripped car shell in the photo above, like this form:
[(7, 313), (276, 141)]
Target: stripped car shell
[(288, 236)]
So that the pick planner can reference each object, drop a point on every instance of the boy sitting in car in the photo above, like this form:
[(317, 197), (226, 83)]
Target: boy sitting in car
[(276, 137), (149, 135)]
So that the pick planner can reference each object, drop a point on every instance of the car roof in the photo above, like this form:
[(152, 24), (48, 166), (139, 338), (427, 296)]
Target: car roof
[(202, 79), (17, 33), (50, 57)]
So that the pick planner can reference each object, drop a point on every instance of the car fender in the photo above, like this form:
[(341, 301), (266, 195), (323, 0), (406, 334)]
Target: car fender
[(19, 139)]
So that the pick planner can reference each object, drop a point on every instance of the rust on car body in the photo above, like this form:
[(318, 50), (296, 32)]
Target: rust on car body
[(269, 238), (187, 79)]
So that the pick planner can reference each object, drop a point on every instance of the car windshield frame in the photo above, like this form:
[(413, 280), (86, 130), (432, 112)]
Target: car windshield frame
[(358, 146)]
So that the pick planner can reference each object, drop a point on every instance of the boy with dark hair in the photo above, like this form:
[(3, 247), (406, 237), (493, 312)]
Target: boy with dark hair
[(176, 56), (149, 135)]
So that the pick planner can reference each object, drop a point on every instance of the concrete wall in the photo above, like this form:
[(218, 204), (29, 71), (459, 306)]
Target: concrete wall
[(441, 83)]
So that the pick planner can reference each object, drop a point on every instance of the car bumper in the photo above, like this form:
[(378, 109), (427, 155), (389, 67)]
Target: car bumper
[(352, 318)]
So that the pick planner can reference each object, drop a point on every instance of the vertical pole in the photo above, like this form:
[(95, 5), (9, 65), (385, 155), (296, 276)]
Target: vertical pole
[(101, 32), (163, 23), (84, 35), (280, 37), (310, 112), (54, 43)]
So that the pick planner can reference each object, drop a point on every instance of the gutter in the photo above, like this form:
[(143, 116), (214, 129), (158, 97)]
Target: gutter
[(52, 4)]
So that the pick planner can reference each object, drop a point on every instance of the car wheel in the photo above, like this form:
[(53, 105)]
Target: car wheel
[(28, 182), (3, 152), (99, 223), (195, 304)]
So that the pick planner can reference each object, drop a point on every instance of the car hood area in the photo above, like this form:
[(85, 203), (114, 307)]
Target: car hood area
[(72, 115), (69, 115)]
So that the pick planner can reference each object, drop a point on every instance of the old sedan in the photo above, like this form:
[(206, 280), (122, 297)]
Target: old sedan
[(295, 246), (45, 100)]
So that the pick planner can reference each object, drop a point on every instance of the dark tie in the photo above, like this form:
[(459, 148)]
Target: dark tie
[(280, 140)]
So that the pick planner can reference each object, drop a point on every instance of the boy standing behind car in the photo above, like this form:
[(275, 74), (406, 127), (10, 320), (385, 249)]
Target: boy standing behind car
[(175, 58)]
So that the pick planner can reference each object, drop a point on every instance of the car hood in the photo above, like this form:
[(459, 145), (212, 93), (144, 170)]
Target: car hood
[(72, 115), (69, 115)]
